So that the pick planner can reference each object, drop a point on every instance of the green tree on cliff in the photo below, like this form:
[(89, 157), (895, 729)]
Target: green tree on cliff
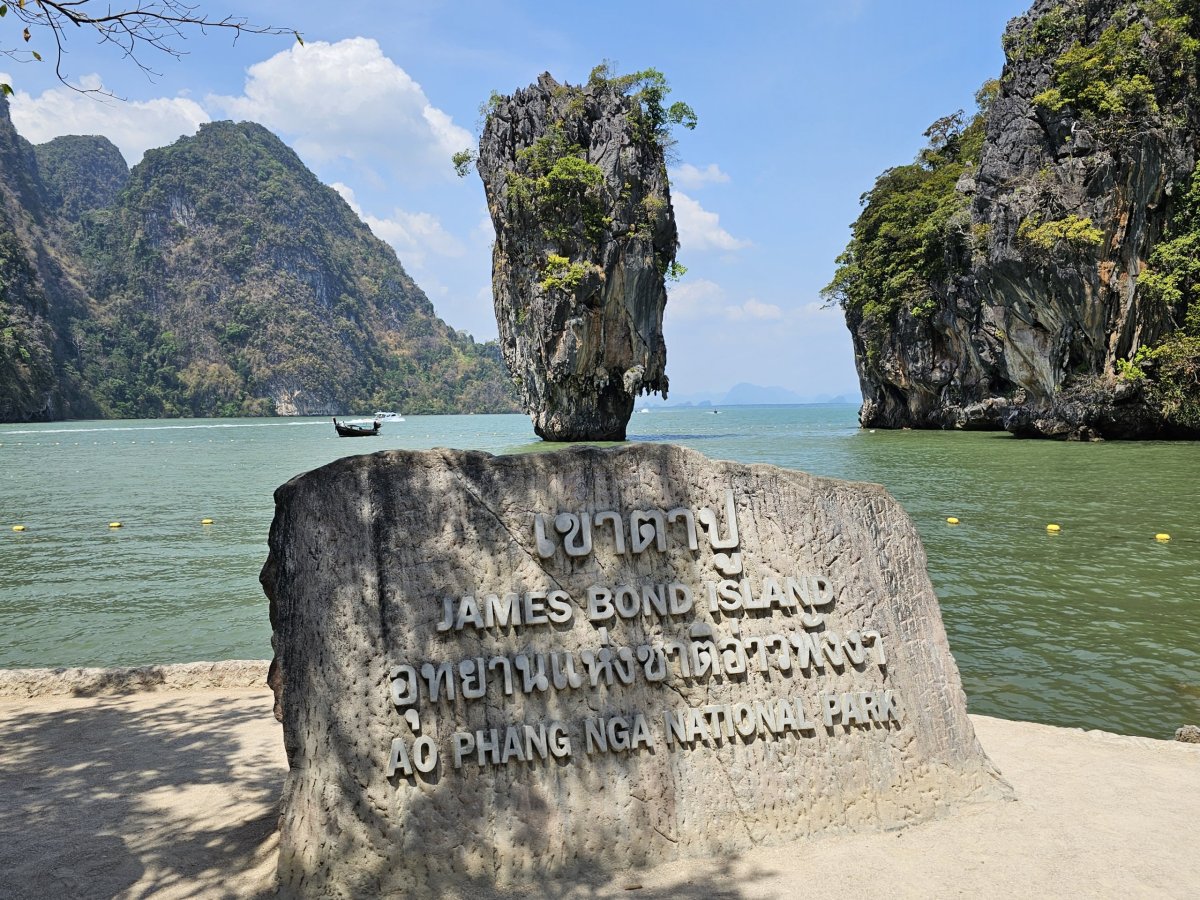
[(897, 255)]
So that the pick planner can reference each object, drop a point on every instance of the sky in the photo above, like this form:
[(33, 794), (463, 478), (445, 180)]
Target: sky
[(801, 106)]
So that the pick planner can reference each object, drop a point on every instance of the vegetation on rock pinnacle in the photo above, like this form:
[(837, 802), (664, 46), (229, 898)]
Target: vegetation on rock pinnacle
[(577, 188)]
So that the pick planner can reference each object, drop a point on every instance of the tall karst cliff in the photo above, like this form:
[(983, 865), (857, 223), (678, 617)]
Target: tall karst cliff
[(41, 293), (219, 277), (577, 188), (1035, 267)]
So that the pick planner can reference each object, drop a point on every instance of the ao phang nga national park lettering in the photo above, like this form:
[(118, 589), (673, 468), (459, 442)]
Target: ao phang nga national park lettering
[(519, 667)]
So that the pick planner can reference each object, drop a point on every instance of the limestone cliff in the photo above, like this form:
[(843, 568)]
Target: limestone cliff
[(40, 294), (1021, 287), (577, 189)]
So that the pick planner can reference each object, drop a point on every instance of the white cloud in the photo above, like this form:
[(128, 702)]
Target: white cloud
[(754, 309), (701, 299), (700, 229), (349, 101), (134, 126), (690, 176), (694, 299), (413, 235)]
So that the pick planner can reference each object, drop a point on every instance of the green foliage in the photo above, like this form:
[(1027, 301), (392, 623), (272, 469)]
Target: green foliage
[(1172, 278), (674, 271), (557, 185), (561, 274), (649, 89), (1078, 233), (1103, 78), (463, 160), (1132, 369), (901, 245), (1131, 71), (1176, 382)]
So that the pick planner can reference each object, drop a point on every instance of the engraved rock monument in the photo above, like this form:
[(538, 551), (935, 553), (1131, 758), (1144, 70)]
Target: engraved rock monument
[(492, 670)]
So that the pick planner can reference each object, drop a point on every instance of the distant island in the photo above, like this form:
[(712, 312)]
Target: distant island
[(218, 278)]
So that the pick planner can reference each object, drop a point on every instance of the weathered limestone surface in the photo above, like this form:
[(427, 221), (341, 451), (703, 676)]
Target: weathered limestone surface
[(579, 352), (365, 551)]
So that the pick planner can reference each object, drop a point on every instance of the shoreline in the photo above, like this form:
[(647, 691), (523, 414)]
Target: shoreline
[(88, 681), (165, 781)]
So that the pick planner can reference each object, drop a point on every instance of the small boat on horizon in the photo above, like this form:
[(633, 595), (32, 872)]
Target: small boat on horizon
[(385, 416), (346, 429)]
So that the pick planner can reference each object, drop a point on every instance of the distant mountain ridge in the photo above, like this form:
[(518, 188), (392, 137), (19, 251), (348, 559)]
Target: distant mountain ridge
[(219, 277)]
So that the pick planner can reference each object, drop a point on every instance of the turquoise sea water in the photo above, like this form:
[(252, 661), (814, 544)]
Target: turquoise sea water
[(1098, 626)]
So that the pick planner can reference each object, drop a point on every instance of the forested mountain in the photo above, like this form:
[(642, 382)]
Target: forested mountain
[(219, 277), (1036, 267), (80, 173), (41, 294)]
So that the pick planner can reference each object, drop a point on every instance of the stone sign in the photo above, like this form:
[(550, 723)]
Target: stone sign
[(496, 669)]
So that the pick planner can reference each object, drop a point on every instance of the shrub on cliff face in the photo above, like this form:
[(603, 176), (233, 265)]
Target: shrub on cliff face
[(1073, 231), (1172, 278), (1138, 67)]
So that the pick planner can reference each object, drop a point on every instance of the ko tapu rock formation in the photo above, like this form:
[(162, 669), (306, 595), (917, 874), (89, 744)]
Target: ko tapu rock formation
[(577, 188), (1034, 269)]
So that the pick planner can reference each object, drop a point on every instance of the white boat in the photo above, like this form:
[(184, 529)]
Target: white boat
[(383, 416)]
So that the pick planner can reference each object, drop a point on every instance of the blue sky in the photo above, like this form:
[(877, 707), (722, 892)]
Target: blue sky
[(801, 106)]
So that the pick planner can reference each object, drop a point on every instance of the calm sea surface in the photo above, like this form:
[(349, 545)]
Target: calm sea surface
[(1098, 626)]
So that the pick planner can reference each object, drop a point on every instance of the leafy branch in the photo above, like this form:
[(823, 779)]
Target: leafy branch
[(157, 25)]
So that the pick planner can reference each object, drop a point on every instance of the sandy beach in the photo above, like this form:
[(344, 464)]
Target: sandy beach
[(165, 783)]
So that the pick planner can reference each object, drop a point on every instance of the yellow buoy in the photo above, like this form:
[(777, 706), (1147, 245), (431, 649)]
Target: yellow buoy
[(951, 520), (206, 521), (114, 524), (1053, 529), (18, 528), (1162, 537)]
